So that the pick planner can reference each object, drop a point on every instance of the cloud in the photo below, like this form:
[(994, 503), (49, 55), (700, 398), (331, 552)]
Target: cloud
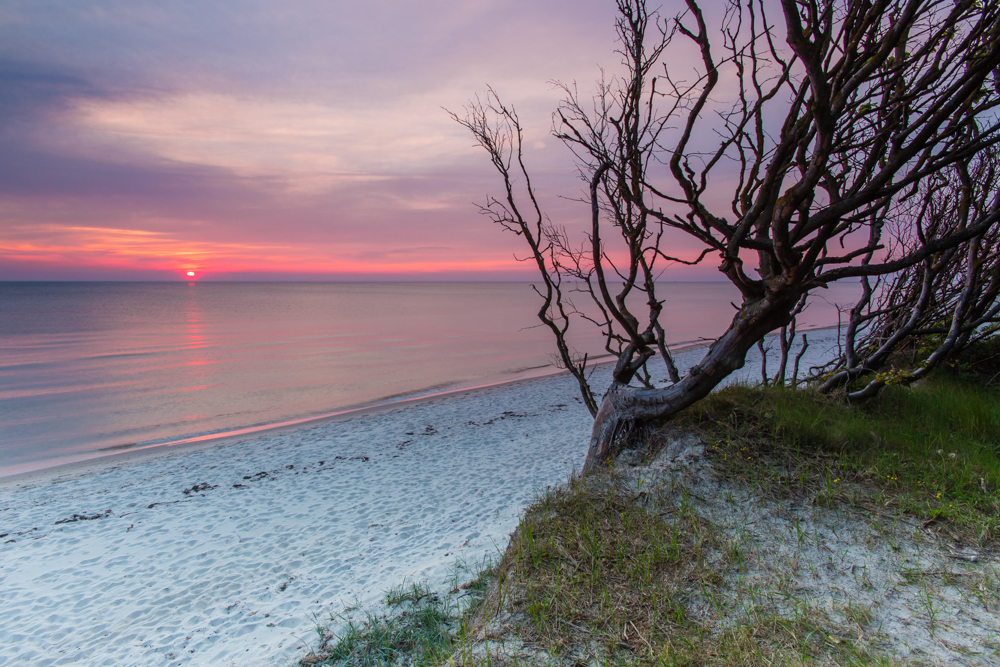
[(137, 249), (31, 92), (275, 137), (309, 145)]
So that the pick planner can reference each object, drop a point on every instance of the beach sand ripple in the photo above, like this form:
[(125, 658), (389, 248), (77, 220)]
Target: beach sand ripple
[(226, 555)]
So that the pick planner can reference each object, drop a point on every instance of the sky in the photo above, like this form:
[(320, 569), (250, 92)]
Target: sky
[(266, 140)]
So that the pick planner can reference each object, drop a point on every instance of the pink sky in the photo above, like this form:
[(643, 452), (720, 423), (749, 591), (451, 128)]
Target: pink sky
[(266, 140)]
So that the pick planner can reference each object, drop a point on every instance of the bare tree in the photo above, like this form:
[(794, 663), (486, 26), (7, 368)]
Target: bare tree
[(498, 130), (831, 123), (907, 323)]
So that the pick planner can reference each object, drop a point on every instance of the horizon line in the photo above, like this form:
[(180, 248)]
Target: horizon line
[(312, 280)]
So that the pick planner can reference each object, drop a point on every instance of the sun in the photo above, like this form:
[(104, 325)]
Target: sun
[(190, 274)]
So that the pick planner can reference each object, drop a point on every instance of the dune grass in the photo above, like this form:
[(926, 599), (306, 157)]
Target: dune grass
[(602, 571), (590, 565), (932, 450), (417, 627)]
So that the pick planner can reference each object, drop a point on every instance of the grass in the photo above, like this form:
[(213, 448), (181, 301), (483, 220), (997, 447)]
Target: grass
[(607, 571), (932, 451), (600, 573), (413, 626), (588, 556), (418, 627)]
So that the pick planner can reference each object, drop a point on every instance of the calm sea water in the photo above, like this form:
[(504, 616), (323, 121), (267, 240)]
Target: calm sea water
[(92, 368)]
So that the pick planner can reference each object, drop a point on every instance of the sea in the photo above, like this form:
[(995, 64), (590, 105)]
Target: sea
[(89, 369)]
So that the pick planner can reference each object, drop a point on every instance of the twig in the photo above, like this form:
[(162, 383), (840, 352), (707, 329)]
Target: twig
[(968, 558)]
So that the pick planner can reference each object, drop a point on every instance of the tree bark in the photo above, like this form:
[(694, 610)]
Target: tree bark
[(624, 406)]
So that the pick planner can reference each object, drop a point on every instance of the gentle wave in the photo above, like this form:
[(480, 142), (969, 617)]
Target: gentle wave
[(94, 367)]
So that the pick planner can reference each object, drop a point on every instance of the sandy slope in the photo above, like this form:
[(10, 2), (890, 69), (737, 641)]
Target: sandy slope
[(225, 556)]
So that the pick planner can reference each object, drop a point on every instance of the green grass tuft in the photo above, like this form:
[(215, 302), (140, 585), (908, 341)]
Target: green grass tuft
[(587, 556), (419, 628)]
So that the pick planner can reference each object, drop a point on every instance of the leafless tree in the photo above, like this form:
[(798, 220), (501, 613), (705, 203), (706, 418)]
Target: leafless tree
[(831, 122), (907, 323)]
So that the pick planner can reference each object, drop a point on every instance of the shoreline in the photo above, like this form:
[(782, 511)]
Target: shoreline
[(95, 460), (204, 557), (142, 452)]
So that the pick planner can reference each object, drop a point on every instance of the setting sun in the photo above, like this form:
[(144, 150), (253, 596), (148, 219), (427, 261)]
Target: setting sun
[(190, 274)]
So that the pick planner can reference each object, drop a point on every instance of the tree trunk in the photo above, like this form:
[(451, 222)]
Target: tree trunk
[(624, 406)]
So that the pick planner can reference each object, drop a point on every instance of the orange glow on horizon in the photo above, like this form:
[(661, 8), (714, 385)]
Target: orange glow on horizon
[(131, 249), (140, 250)]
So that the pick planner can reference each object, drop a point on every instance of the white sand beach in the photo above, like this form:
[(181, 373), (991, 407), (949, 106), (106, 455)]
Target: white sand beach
[(231, 555)]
